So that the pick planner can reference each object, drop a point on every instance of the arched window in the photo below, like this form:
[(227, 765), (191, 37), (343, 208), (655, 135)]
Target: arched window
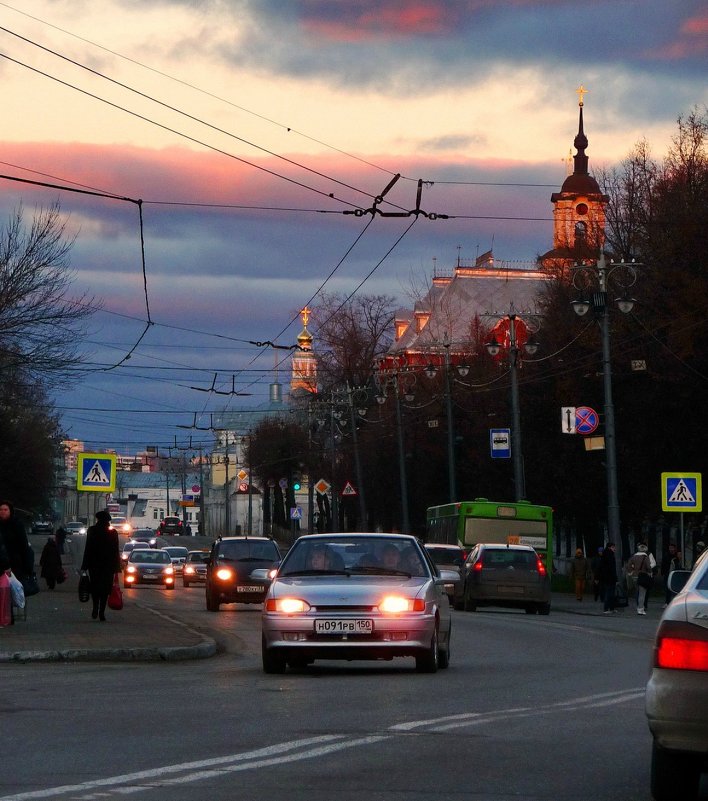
[(581, 231)]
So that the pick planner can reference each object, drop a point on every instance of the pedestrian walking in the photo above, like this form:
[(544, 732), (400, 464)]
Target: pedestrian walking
[(50, 563), (640, 569), (60, 537), (17, 546), (671, 560), (607, 572), (102, 561), (578, 573)]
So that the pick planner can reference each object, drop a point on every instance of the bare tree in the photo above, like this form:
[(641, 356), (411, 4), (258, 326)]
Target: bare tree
[(41, 325), (350, 335)]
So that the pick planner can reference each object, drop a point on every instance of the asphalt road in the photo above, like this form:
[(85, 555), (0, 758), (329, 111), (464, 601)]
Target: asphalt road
[(533, 708)]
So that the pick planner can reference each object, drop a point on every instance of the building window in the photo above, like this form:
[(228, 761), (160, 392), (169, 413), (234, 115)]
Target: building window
[(580, 233)]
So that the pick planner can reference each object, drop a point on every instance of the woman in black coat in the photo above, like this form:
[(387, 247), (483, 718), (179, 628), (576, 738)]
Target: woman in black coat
[(14, 538), (608, 577), (50, 562), (102, 560)]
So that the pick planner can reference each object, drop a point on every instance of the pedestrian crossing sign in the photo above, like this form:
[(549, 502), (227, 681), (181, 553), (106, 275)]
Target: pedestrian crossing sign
[(96, 472), (681, 492)]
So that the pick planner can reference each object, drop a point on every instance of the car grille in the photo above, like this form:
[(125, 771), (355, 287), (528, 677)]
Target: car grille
[(347, 608)]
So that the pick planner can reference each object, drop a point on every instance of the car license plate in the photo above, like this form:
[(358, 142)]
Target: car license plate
[(150, 577), (511, 590), (340, 626), (249, 588)]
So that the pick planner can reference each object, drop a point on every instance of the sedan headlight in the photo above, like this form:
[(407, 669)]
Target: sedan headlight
[(225, 574), (395, 604), (189, 570), (131, 569), (288, 606), (169, 571)]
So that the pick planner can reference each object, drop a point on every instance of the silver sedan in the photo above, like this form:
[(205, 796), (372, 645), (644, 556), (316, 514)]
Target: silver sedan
[(356, 596), (677, 691)]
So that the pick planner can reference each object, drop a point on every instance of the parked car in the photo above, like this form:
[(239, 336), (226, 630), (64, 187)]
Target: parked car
[(677, 691), (149, 566), (230, 569), (178, 555), (145, 535), (195, 568), (171, 525), (356, 596), (451, 558), (506, 575)]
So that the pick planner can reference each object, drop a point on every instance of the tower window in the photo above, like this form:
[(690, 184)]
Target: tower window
[(581, 209), (580, 233)]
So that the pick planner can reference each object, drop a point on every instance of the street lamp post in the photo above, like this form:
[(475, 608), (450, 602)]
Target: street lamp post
[(517, 454), (601, 272), (403, 479), (430, 372)]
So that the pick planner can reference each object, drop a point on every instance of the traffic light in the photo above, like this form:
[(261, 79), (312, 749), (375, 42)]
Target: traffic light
[(296, 482)]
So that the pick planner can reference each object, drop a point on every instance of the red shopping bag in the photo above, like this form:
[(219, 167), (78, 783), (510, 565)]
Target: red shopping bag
[(115, 599)]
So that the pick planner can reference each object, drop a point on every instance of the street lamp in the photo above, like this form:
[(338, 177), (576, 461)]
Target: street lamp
[(584, 278), (402, 382), (462, 370), (494, 348)]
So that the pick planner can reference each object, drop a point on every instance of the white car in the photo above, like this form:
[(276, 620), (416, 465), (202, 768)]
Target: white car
[(356, 596), (677, 691), (75, 527)]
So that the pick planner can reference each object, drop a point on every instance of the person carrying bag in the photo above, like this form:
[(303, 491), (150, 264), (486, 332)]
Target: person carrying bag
[(115, 598), (642, 565)]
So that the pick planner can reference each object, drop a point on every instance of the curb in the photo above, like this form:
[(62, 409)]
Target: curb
[(202, 650)]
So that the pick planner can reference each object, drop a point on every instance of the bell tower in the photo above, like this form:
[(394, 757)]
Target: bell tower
[(578, 209), (304, 370)]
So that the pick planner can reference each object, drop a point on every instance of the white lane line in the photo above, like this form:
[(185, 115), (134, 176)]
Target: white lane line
[(460, 719), (166, 770), (281, 753)]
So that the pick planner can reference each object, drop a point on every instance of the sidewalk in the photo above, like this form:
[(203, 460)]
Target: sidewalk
[(566, 602), (59, 628)]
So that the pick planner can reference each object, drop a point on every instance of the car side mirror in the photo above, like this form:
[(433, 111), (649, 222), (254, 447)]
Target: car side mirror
[(448, 576), (677, 579)]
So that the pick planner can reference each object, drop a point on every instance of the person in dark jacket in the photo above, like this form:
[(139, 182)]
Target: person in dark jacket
[(50, 562), (102, 561), (578, 573), (15, 540), (608, 578)]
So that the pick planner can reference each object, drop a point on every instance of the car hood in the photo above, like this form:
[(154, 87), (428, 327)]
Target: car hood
[(346, 590)]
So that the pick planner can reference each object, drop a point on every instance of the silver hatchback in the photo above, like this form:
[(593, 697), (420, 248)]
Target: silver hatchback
[(506, 575)]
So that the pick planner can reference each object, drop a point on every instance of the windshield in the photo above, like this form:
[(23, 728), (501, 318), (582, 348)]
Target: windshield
[(198, 557), (354, 555), (248, 550), (180, 553), (444, 556), (156, 557)]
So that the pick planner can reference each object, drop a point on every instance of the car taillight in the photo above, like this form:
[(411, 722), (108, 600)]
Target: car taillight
[(477, 567), (681, 646), (541, 568)]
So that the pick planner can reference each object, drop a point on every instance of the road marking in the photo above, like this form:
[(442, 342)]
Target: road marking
[(293, 751)]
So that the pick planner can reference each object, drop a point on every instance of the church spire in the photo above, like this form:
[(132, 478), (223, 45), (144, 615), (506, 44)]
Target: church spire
[(581, 141)]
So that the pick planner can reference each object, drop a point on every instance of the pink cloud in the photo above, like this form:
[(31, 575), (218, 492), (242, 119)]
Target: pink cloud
[(692, 41)]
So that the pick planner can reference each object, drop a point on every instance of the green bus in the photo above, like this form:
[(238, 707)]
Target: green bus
[(465, 523)]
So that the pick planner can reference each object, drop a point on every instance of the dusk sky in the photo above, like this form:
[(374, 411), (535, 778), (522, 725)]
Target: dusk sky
[(247, 127)]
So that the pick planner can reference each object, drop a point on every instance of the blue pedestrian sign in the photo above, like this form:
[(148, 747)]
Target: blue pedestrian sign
[(500, 443), (96, 472), (681, 492)]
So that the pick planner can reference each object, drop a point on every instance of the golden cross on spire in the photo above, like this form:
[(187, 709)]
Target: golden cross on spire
[(581, 90), (305, 315)]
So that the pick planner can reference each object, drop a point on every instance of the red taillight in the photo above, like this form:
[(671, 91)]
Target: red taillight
[(541, 568), (477, 567), (678, 653)]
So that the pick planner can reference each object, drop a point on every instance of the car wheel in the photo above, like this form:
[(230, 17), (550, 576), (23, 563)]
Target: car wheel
[(429, 660), (459, 604), (444, 657), (212, 601), (674, 775), (185, 584), (544, 609), (273, 662)]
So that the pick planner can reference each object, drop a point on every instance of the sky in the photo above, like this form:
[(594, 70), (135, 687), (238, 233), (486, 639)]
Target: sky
[(247, 128)]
